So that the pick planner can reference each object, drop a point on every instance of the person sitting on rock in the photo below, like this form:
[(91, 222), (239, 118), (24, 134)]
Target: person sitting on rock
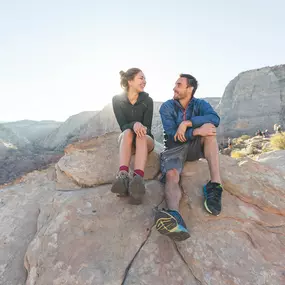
[(190, 134), (133, 110)]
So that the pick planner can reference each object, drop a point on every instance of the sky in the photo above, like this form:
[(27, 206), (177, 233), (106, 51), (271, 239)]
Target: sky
[(59, 58)]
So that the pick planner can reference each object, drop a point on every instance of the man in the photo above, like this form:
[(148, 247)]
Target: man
[(190, 134)]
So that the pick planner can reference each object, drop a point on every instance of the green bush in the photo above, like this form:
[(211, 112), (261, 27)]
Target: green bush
[(277, 141)]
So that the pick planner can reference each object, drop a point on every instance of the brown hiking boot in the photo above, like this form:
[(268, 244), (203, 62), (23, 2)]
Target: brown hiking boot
[(136, 190), (121, 183)]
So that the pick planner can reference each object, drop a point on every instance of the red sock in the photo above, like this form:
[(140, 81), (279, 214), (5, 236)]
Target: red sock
[(124, 167), (139, 172)]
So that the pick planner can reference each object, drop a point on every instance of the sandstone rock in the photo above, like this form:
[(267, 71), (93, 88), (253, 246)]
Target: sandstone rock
[(93, 237), (253, 100), (274, 159), (19, 210), (226, 151), (103, 231), (96, 161)]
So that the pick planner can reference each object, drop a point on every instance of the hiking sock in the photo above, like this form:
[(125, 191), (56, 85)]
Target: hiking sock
[(139, 172), (124, 168)]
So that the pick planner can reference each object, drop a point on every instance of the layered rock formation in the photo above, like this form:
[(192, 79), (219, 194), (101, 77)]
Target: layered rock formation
[(274, 159), (19, 153), (90, 236), (30, 131), (63, 135), (253, 100)]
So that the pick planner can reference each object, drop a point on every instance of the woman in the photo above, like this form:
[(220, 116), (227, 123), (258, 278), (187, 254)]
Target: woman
[(133, 110)]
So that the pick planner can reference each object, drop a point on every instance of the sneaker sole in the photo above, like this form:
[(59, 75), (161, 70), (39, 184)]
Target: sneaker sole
[(119, 188), (167, 225), (136, 191)]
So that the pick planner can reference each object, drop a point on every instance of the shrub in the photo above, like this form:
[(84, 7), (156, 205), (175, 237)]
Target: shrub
[(238, 154), (244, 137), (241, 139), (277, 141)]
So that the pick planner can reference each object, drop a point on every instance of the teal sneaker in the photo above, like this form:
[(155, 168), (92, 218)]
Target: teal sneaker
[(213, 197), (170, 223)]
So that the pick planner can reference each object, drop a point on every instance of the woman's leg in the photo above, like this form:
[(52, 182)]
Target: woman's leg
[(144, 145), (137, 188), (126, 142), (121, 183)]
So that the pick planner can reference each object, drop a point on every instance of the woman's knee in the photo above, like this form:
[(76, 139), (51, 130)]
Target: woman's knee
[(128, 136)]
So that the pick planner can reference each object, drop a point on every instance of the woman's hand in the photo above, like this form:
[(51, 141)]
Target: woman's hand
[(139, 129)]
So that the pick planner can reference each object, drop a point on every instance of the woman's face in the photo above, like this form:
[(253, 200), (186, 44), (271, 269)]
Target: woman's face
[(138, 83)]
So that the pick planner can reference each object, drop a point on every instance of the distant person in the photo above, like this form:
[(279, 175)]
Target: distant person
[(258, 133), (190, 134), (265, 134), (279, 129), (133, 110), (275, 128), (229, 143)]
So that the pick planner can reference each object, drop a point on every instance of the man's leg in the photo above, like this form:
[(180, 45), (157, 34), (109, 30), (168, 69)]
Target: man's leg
[(121, 183), (137, 189), (172, 190), (211, 153), (213, 190), (169, 222)]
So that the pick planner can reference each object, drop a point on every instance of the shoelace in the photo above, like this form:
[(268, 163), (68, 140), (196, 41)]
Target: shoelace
[(123, 174), (214, 193)]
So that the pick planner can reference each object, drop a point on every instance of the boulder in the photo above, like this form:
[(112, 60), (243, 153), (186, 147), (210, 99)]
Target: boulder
[(274, 159), (81, 161), (253, 100), (19, 212), (93, 237)]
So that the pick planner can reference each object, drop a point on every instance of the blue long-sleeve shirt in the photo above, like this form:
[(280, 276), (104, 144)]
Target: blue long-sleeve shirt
[(199, 112)]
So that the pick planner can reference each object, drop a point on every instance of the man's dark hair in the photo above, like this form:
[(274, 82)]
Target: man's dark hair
[(191, 81)]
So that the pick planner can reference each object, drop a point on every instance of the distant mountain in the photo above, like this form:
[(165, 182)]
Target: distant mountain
[(61, 136), (32, 130)]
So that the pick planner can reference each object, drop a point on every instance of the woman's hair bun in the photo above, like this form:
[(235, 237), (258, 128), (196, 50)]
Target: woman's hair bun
[(122, 73)]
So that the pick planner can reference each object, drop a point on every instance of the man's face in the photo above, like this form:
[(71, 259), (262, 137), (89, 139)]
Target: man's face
[(181, 89)]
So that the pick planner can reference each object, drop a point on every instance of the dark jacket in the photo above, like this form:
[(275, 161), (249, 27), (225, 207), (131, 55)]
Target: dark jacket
[(127, 114), (198, 111)]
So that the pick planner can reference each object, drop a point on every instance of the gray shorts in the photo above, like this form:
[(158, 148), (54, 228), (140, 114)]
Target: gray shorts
[(174, 158)]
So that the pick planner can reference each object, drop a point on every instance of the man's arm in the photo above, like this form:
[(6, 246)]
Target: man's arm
[(121, 119), (207, 115), (168, 121), (147, 118)]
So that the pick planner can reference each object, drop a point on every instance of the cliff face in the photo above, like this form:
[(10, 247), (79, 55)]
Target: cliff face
[(253, 100)]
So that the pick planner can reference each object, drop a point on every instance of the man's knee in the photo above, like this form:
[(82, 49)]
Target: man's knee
[(208, 139), (172, 175)]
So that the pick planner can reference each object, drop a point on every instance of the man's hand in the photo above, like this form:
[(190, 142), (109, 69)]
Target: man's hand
[(205, 130), (139, 129), (180, 134)]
